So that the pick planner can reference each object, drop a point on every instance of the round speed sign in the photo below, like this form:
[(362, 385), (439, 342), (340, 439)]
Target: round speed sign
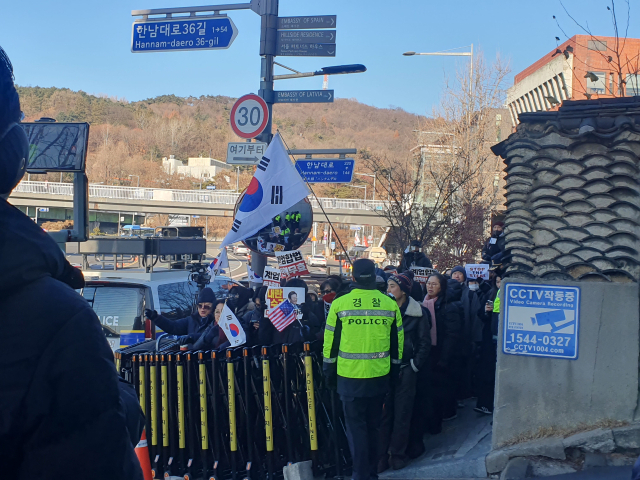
[(249, 116)]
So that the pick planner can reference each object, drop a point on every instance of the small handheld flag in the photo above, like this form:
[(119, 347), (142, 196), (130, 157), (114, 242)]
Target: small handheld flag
[(232, 328)]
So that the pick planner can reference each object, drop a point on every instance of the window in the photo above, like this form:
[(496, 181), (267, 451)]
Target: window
[(221, 286), (597, 45), (596, 82), (177, 299), (633, 84), (117, 307)]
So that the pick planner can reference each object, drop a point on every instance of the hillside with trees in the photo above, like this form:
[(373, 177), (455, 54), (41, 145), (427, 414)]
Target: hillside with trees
[(131, 138)]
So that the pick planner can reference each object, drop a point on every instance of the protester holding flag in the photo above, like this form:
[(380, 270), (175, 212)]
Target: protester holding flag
[(226, 332)]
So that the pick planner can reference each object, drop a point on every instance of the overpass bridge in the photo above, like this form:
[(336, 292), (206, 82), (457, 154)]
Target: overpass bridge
[(109, 198)]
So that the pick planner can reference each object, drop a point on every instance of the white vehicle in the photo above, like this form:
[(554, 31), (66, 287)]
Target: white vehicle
[(119, 296), (241, 250), (317, 261), (376, 254)]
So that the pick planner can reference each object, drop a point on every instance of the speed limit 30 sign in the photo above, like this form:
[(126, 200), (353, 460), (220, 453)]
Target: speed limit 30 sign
[(249, 116)]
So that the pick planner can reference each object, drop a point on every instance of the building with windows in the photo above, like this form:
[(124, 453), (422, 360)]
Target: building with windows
[(584, 67), (197, 167)]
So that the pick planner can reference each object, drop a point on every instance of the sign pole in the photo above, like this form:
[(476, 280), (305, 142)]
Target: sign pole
[(268, 40)]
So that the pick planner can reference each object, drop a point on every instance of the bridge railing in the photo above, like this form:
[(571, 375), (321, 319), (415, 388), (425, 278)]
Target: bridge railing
[(182, 196)]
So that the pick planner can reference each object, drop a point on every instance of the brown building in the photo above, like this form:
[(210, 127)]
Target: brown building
[(583, 67)]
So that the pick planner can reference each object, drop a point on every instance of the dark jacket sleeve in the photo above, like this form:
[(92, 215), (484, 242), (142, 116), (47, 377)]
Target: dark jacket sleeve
[(173, 327), (266, 332), (208, 339), (453, 324), (421, 352), (486, 256)]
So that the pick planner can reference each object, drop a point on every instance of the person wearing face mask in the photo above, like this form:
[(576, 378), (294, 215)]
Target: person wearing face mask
[(471, 332), (398, 404), (240, 302), (414, 257), (188, 328), (495, 244)]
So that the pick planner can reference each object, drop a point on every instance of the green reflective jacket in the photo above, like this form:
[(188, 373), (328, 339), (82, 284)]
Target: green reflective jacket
[(363, 334), (496, 303)]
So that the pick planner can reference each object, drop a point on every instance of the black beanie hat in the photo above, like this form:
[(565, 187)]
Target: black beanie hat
[(207, 296), (459, 269), (364, 272)]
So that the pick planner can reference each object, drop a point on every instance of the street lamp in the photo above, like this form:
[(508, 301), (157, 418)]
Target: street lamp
[(334, 70), (374, 182), (448, 53), (138, 177), (358, 186)]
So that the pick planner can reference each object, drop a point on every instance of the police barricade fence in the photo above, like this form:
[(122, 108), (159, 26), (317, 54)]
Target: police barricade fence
[(240, 413)]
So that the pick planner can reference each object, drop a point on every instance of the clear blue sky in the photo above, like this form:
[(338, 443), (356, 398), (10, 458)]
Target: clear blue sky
[(85, 45)]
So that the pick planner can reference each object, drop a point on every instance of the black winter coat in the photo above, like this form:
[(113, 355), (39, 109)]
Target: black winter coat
[(60, 408), (193, 325), (449, 322), (416, 322), (269, 335), (417, 259)]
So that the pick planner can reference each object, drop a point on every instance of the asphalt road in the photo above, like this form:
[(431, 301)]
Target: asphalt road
[(598, 473)]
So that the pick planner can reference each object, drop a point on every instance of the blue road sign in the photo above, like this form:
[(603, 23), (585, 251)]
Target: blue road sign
[(288, 48), (541, 320), (308, 36), (326, 170), (297, 23), (206, 33), (303, 96)]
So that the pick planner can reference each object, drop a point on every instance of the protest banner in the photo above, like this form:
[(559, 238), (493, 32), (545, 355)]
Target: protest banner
[(291, 264), (271, 277), (421, 274), (477, 271)]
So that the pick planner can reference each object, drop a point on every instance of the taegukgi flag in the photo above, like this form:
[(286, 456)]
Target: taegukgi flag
[(231, 327), (275, 187), (220, 262)]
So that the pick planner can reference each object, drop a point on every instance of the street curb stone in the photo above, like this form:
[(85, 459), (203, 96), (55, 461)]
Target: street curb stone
[(627, 437), (552, 447), (594, 441), (516, 469)]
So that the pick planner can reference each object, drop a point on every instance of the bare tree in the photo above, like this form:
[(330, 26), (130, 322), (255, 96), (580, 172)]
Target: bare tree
[(622, 64), (449, 181)]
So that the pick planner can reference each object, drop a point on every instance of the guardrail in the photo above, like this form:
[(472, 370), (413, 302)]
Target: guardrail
[(182, 196)]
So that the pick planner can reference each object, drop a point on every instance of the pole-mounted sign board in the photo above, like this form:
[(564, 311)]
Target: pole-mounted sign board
[(307, 36), (288, 48), (245, 153), (299, 23), (249, 116), (326, 170), (174, 35), (303, 96)]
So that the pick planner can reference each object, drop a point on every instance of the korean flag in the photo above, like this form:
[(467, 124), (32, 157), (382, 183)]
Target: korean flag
[(231, 327), (275, 187)]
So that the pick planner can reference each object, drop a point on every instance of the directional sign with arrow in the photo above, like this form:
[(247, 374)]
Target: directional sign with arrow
[(307, 36), (303, 96), (298, 23), (286, 48)]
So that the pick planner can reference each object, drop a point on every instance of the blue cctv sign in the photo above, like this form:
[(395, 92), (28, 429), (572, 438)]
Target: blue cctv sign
[(541, 320), (202, 33)]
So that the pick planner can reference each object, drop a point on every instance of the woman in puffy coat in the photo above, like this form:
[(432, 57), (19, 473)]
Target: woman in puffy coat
[(399, 403)]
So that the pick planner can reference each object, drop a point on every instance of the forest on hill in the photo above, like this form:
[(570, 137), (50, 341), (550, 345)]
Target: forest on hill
[(131, 138)]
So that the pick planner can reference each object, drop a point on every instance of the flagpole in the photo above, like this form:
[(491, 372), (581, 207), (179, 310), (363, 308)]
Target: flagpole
[(320, 204)]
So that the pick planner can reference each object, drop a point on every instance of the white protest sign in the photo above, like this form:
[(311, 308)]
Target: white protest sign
[(477, 271), (271, 277), (291, 264), (421, 274)]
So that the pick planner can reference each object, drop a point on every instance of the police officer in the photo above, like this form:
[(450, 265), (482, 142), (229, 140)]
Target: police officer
[(363, 341)]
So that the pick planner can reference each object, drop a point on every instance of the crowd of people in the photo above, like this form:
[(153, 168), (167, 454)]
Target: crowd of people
[(449, 347)]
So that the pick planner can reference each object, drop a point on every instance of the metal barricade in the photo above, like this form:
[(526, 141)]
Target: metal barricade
[(243, 413)]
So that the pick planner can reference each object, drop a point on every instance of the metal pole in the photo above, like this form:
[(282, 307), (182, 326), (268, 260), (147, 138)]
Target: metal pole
[(268, 38), (237, 179)]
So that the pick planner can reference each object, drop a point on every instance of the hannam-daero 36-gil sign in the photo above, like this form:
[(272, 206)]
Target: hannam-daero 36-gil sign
[(541, 320), (162, 35)]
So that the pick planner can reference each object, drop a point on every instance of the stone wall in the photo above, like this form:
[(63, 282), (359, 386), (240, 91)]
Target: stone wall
[(573, 195)]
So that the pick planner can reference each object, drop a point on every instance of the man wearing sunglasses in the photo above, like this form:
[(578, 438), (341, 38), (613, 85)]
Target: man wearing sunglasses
[(188, 328)]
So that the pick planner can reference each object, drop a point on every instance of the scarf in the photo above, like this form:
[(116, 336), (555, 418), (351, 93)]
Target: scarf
[(429, 303)]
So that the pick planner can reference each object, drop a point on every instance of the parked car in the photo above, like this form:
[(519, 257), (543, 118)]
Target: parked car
[(317, 261)]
